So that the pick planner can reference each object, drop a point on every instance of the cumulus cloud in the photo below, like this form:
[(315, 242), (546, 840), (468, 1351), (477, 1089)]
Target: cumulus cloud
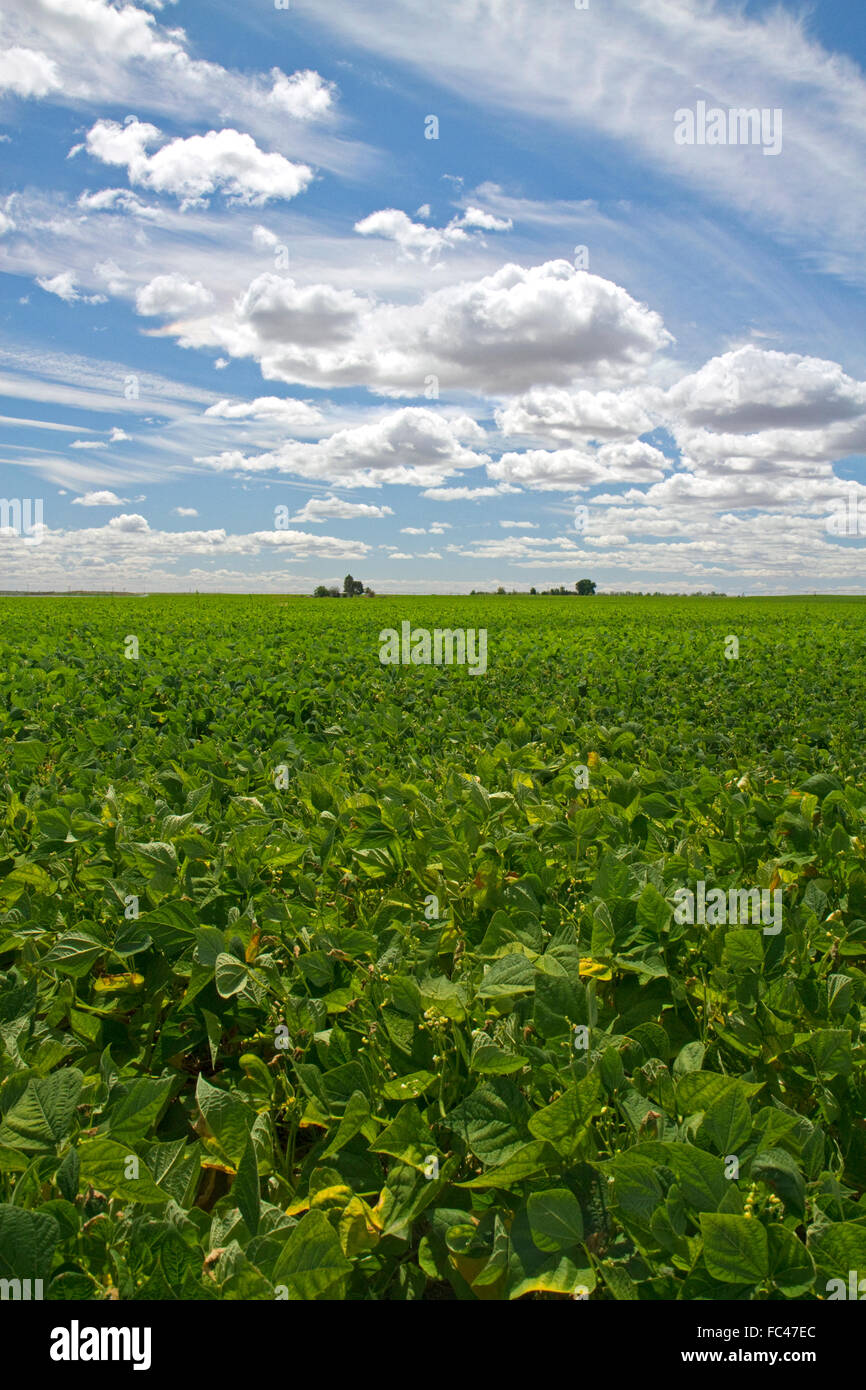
[(305, 95), (99, 499), (466, 494), (415, 238), (130, 523), (393, 225), (487, 221), (556, 413), (27, 73), (410, 446), (754, 389), (279, 410), (184, 511), (564, 469), (172, 295), (65, 286), (194, 167), (507, 332), (328, 508)]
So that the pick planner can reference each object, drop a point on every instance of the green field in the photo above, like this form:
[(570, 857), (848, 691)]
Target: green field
[(322, 978)]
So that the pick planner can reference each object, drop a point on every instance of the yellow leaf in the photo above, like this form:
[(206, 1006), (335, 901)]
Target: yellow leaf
[(596, 968), (118, 984)]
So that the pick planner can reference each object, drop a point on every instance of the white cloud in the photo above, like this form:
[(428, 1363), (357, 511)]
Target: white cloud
[(413, 531), (194, 167), (118, 435), (466, 494), (412, 237), (753, 389), (27, 73), (88, 444), (184, 511), (487, 221), (555, 413), (410, 446), (130, 523), (621, 70), (329, 508), (304, 95), (172, 295), (65, 286), (510, 525), (99, 499), (565, 469), (280, 410), (506, 332), (263, 238)]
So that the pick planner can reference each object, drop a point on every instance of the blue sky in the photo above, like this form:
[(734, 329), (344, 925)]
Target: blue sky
[(258, 329)]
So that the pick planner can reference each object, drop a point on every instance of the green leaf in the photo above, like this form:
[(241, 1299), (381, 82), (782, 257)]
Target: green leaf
[(700, 1175), (228, 1119), (44, 1114), (526, 1162), (74, 952), (230, 975), (245, 1188), (743, 949), (214, 1034), (132, 1114), (511, 974), (564, 1122), (782, 1175), (27, 1243), (312, 1266), (530, 1270), (792, 1268), (697, 1090), (117, 1170), (492, 1121), (727, 1122), (735, 1248), (839, 1247), (653, 914), (555, 1219), (635, 1192), (689, 1058), (407, 1137), (830, 1049)]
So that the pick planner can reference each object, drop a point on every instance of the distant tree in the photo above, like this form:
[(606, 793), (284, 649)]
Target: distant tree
[(533, 590), (585, 586), (500, 590), (369, 593), (320, 591), (352, 587)]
